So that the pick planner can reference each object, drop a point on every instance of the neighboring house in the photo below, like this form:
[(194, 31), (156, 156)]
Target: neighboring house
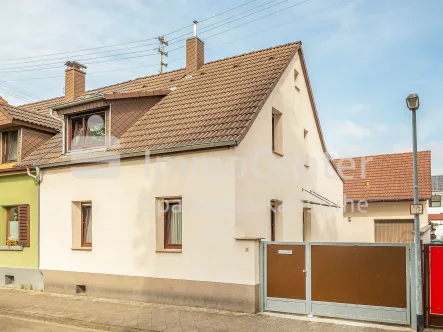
[(21, 133), (160, 188), (435, 204), (436, 207), (382, 186)]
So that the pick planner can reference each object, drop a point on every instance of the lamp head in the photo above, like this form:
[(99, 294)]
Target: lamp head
[(413, 102)]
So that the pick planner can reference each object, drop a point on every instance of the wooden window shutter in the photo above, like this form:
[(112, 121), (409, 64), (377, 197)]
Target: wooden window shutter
[(23, 225)]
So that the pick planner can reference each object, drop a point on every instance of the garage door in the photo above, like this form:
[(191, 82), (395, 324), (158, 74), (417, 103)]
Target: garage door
[(394, 231)]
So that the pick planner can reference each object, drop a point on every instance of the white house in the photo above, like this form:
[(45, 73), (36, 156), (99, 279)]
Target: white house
[(160, 189)]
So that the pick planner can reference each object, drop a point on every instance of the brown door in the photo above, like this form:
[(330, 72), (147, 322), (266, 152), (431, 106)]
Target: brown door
[(394, 231), (285, 271)]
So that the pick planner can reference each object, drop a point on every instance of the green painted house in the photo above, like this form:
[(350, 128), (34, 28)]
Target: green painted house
[(21, 132)]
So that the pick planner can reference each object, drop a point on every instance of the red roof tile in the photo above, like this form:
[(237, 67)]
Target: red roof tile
[(386, 177)]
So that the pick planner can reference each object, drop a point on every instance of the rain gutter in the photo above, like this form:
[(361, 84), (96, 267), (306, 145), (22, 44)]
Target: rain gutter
[(156, 152)]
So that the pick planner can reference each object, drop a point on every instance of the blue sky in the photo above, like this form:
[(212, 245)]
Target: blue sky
[(364, 56)]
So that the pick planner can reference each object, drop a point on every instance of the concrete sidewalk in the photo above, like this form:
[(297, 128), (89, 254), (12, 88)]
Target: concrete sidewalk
[(113, 315)]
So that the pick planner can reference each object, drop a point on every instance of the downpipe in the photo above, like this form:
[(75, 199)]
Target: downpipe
[(37, 177)]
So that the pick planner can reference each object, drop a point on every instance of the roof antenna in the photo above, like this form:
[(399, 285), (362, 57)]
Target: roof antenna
[(195, 28)]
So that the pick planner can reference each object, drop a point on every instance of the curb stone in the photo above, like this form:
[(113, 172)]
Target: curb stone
[(73, 322)]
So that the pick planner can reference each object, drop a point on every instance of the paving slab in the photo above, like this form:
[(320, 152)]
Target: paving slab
[(130, 316)]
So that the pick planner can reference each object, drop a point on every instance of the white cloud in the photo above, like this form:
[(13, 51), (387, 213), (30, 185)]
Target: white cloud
[(381, 127), (358, 108), (354, 130)]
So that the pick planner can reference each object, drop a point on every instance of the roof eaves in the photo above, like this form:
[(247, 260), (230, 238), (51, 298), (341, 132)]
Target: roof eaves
[(136, 94), (115, 155), (384, 200), (77, 102)]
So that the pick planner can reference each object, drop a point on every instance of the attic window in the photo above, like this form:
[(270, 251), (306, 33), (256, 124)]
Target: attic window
[(9, 146), (87, 130)]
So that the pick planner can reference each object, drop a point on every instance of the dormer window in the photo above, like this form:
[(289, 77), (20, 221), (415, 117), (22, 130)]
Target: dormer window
[(87, 130), (10, 146)]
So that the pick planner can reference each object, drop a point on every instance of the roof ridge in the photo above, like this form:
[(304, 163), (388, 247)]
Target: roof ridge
[(169, 72), (381, 154), (252, 52)]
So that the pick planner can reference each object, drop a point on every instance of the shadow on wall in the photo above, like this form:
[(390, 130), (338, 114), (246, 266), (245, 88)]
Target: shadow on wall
[(324, 225), (144, 224)]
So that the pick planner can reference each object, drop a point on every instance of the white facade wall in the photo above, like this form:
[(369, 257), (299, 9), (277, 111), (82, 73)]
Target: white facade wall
[(271, 176), (123, 210)]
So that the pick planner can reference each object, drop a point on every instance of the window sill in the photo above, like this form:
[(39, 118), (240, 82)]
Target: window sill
[(80, 151), (169, 250), (249, 238), (278, 153), (82, 248), (14, 248)]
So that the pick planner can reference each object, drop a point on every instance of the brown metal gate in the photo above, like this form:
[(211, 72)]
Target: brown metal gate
[(433, 285), (286, 278), (355, 281)]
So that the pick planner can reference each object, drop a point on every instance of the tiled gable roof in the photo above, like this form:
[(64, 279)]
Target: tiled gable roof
[(30, 117), (218, 103), (149, 83), (385, 177)]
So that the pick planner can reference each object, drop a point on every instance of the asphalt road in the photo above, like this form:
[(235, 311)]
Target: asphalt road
[(13, 324)]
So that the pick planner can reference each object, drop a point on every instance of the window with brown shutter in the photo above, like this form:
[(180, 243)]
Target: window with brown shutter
[(23, 225)]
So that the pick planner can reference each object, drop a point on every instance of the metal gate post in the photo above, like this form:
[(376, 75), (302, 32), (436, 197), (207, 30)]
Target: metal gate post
[(262, 259), (261, 299), (308, 278), (413, 289)]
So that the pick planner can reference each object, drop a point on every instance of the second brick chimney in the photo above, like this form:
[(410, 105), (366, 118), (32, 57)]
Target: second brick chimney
[(75, 84), (195, 53)]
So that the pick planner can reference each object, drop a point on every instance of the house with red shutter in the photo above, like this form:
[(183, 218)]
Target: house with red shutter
[(21, 133)]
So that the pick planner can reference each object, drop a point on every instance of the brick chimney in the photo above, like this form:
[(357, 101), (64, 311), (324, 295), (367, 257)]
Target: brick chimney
[(195, 53), (74, 80)]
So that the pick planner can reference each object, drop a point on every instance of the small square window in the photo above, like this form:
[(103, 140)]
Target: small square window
[(87, 131), (306, 149), (436, 201), (296, 79)]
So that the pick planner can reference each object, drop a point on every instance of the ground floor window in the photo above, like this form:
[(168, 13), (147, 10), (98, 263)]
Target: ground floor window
[(86, 209), (173, 224), (17, 225), (12, 223)]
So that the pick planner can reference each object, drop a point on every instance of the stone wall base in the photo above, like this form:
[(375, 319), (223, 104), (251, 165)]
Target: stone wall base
[(214, 295)]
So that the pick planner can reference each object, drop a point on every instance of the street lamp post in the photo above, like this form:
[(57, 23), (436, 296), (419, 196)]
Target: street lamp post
[(413, 103)]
